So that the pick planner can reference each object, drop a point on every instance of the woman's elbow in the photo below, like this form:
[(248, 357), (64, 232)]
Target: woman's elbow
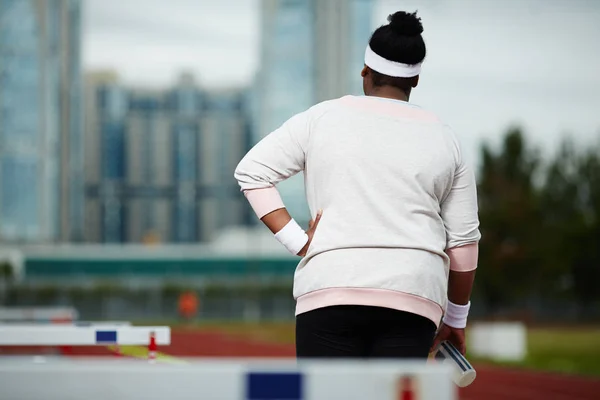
[(242, 177), (237, 173), (248, 180), (468, 237)]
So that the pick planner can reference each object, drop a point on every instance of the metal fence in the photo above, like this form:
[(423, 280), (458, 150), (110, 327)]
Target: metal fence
[(233, 303)]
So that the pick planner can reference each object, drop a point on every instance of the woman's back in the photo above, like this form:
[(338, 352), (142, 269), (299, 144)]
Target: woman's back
[(397, 228), (396, 194), (382, 167)]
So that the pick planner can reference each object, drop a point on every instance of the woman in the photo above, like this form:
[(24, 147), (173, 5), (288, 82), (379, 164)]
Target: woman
[(395, 246)]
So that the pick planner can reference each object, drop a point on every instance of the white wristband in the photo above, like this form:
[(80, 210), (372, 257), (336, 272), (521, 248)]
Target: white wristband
[(456, 315), (292, 236)]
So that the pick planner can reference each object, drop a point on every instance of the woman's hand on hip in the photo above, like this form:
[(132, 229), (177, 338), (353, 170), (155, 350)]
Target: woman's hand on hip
[(312, 227)]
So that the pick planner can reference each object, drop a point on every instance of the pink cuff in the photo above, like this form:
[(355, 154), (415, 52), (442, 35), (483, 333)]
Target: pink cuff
[(264, 201), (463, 258)]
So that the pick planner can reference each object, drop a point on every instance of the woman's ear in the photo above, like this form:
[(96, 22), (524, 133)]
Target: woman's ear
[(416, 81), (364, 71)]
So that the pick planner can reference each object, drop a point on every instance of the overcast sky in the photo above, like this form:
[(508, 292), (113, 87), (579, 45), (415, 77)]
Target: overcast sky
[(490, 63)]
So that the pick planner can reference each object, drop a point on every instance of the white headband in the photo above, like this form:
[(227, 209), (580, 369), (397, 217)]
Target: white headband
[(390, 68)]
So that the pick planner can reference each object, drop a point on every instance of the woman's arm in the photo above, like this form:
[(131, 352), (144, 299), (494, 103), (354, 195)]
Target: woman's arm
[(459, 213), (277, 157), (463, 264), (280, 222)]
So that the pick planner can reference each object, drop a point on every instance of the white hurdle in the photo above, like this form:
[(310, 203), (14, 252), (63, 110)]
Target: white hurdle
[(38, 314), (499, 341), (97, 324), (68, 323), (218, 379), (73, 335)]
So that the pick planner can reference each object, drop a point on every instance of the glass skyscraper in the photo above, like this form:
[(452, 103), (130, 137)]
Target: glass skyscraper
[(113, 106), (160, 162), (287, 74), (311, 51), (41, 181)]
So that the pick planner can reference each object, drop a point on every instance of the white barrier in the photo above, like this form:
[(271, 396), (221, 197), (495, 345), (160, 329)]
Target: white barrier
[(69, 323), (97, 324), (500, 341), (40, 314), (70, 335), (90, 379)]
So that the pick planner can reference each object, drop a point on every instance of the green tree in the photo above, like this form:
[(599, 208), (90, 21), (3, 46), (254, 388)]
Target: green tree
[(562, 220), (571, 205), (540, 224), (510, 221)]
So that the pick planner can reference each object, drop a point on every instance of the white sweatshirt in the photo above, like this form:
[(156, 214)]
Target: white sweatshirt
[(396, 195)]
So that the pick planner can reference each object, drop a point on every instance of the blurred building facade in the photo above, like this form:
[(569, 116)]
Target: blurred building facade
[(311, 51), (159, 164), (41, 121)]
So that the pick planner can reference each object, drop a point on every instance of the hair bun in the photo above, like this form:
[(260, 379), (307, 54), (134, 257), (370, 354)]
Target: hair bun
[(405, 24)]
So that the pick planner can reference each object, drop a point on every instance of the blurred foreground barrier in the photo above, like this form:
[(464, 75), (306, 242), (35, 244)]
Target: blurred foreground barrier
[(68, 323), (72, 335), (97, 324), (38, 314), (500, 341), (93, 379)]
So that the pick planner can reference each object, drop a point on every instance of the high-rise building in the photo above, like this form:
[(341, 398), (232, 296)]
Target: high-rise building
[(225, 138), (342, 31), (286, 76), (41, 153), (311, 51), (161, 162)]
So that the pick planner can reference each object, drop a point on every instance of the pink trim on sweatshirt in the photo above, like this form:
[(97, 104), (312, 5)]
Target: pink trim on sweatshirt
[(392, 108), (370, 297), (264, 201), (463, 258)]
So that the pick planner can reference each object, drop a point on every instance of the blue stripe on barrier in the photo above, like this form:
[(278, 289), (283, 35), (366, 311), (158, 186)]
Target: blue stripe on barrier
[(106, 336), (273, 386)]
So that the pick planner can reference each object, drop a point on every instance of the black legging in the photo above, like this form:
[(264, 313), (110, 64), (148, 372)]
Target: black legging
[(362, 332)]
